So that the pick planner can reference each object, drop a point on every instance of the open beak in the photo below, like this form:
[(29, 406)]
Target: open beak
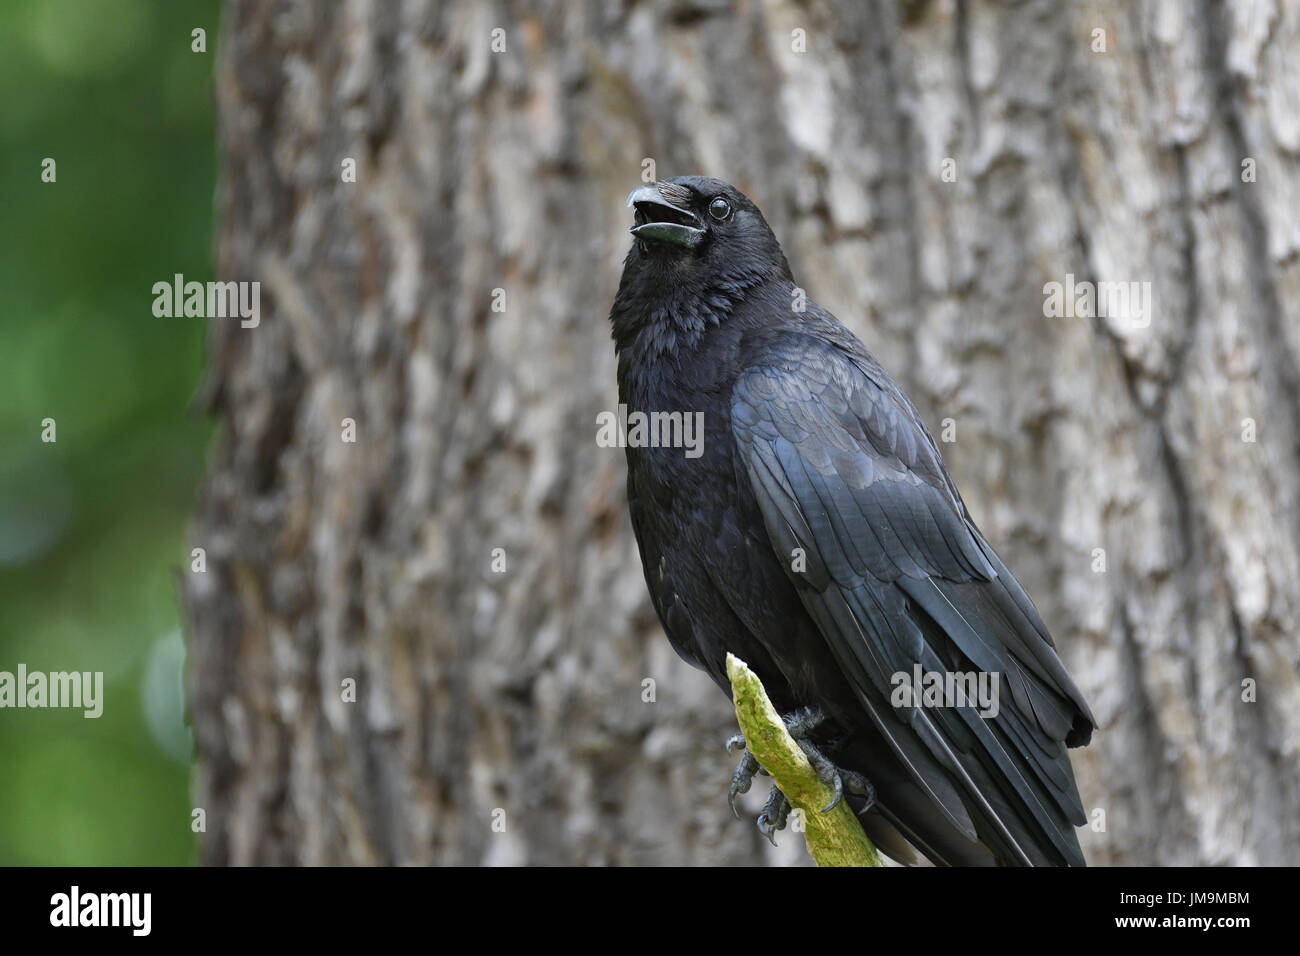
[(658, 220)]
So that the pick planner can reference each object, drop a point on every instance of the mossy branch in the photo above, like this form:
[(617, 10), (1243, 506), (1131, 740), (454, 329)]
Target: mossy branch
[(834, 838)]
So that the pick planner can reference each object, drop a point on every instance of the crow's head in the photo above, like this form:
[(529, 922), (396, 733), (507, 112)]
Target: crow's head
[(700, 231), (701, 248)]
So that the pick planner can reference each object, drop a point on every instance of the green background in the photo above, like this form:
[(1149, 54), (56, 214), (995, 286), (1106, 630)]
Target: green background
[(92, 526)]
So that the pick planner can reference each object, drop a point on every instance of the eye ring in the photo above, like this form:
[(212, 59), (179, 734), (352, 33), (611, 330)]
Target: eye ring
[(720, 209)]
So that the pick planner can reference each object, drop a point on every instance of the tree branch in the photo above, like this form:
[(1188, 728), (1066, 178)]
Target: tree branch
[(834, 838)]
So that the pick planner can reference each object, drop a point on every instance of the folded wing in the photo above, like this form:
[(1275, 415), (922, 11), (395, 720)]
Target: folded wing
[(897, 575)]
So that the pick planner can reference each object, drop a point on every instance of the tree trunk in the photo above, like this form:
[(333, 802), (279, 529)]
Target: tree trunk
[(452, 303)]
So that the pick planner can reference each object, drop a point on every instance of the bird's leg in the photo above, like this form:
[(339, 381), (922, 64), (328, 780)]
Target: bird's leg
[(801, 724)]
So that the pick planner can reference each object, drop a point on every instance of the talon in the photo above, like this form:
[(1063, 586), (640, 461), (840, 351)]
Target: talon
[(838, 787), (774, 815), (827, 773), (741, 780), (862, 787), (735, 743)]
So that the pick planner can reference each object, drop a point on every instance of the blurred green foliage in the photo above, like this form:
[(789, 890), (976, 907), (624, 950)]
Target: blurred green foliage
[(92, 526)]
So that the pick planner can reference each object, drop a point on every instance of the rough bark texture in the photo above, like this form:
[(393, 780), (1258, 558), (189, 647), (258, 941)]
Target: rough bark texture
[(475, 429)]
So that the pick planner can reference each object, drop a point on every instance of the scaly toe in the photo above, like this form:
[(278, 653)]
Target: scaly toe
[(741, 780)]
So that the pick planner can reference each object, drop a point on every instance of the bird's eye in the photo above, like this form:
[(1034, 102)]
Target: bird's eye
[(719, 209)]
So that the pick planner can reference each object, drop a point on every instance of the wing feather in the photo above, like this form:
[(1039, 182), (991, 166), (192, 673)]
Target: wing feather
[(897, 575)]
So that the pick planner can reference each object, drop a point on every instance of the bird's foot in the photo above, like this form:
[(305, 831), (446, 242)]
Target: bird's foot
[(801, 725)]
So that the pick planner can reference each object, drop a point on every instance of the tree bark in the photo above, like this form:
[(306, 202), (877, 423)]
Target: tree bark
[(452, 302)]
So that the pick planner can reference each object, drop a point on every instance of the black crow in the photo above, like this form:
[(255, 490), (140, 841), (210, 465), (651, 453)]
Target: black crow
[(818, 536)]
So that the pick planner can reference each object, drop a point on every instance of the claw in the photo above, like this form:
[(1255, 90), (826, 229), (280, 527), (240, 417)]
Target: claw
[(735, 743), (861, 786), (827, 773), (742, 780), (774, 815), (837, 786)]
